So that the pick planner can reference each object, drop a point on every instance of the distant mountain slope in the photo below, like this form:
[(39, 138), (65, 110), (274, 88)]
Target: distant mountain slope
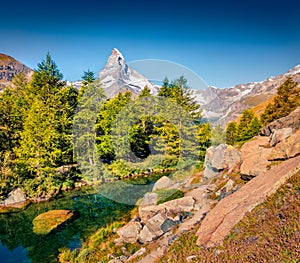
[(9, 67), (118, 76), (226, 104)]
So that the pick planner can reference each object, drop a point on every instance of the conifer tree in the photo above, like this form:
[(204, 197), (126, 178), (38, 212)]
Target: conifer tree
[(106, 117), (243, 127), (204, 137), (46, 140), (231, 133), (286, 100), (13, 106)]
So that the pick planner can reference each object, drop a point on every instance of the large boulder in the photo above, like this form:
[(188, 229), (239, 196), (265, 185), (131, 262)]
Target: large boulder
[(184, 204), (255, 154), (292, 121), (44, 223), (163, 183), (219, 158), (14, 197), (280, 135), (287, 148), (129, 233)]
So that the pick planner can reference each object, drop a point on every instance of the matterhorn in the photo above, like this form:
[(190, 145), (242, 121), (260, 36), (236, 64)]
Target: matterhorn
[(117, 77)]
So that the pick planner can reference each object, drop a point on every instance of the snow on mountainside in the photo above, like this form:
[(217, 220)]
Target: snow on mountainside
[(118, 76), (225, 104)]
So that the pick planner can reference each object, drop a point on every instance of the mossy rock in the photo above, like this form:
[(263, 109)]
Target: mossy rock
[(44, 223)]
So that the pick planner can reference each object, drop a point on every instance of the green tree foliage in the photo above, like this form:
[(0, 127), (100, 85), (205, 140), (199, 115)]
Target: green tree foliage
[(88, 78), (248, 127), (181, 94), (106, 117), (146, 92), (179, 91), (254, 128), (38, 129), (13, 105), (231, 133), (84, 130), (218, 135), (286, 100), (204, 137)]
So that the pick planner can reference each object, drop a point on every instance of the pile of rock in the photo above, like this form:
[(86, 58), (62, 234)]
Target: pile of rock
[(155, 220), (278, 141)]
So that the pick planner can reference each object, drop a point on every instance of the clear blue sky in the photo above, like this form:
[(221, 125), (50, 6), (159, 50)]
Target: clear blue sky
[(225, 42)]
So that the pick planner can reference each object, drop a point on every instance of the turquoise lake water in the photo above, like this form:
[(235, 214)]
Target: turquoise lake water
[(19, 244)]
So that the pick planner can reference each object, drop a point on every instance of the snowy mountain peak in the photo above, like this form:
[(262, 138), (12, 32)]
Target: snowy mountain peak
[(116, 53), (117, 77)]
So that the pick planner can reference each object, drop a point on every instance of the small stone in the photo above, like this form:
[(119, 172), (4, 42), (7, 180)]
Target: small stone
[(191, 258)]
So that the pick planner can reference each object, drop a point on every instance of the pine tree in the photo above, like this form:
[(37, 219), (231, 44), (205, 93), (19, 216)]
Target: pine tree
[(286, 100), (231, 133), (88, 77), (106, 117), (204, 137), (146, 92), (46, 140), (181, 94), (254, 128), (179, 91), (243, 127), (13, 106), (84, 130)]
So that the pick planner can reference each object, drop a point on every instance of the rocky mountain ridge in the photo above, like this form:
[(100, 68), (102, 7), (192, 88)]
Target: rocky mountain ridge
[(9, 67), (226, 104)]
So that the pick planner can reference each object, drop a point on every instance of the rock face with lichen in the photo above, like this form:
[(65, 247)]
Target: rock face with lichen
[(44, 223)]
